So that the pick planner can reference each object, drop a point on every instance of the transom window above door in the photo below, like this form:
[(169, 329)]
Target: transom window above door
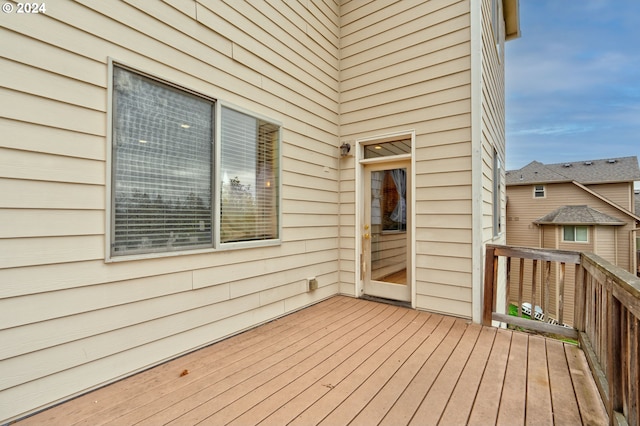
[(388, 149)]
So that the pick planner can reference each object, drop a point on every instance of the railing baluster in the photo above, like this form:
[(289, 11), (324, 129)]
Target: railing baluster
[(508, 289), (633, 362), (533, 288), (579, 298), (489, 285), (625, 343), (561, 294), (520, 286), (614, 348), (547, 289)]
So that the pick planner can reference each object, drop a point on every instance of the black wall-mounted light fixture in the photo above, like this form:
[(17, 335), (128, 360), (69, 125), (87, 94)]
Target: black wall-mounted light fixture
[(344, 149)]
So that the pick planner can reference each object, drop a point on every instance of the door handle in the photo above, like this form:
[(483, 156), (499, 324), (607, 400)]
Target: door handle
[(367, 236)]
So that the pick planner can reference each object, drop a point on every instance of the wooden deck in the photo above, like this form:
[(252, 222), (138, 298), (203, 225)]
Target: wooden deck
[(351, 361)]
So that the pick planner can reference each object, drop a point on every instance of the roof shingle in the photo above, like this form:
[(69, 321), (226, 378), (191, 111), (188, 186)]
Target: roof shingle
[(623, 169), (578, 215)]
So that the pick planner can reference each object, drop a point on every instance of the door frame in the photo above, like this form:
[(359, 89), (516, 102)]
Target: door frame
[(361, 162)]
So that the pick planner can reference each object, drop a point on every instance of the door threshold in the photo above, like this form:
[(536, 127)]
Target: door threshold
[(387, 301)]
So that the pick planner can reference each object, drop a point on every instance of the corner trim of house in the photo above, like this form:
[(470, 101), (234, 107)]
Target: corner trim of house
[(476, 159)]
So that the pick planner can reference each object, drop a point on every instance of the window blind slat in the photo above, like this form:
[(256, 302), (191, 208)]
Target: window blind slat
[(249, 170), (162, 166)]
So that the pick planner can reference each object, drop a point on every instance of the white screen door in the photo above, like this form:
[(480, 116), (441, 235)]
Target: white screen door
[(386, 230)]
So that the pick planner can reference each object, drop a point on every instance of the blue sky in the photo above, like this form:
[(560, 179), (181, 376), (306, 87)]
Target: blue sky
[(573, 82)]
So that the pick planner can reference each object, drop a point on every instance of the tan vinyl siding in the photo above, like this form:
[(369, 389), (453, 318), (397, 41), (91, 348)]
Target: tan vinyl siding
[(493, 138), (407, 66), (619, 193), (493, 120), (604, 244), (329, 72), (68, 320)]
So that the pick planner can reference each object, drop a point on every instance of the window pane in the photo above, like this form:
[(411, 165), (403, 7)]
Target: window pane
[(162, 151), (569, 233), (581, 233), (497, 184), (387, 149), (249, 168), (393, 199)]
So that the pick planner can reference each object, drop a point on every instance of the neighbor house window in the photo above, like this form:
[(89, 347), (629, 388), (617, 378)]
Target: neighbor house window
[(575, 233), (538, 191), (163, 173)]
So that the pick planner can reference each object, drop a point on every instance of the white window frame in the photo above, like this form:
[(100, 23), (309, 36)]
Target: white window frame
[(497, 194), (543, 191), (218, 178), (215, 196), (575, 234)]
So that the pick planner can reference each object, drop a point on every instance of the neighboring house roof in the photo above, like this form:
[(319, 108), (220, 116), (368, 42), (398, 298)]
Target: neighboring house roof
[(622, 169), (577, 215)]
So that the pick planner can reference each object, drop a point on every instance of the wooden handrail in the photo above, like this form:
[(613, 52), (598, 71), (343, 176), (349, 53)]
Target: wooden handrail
[(610, 335), (536, 256), (606, 319)]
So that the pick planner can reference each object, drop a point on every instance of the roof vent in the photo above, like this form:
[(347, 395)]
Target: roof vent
[(612, 161), (588, 163), (566, 165)]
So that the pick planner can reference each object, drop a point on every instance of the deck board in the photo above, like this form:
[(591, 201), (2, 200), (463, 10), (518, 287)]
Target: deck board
[(464, 395), (565, 406), (513, 402), (351, 361), (435, 402), (290, 398), (487, 403), (539, 409), (589, 401)]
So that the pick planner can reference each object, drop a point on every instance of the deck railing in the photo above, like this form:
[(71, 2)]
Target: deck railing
[(606, 314)]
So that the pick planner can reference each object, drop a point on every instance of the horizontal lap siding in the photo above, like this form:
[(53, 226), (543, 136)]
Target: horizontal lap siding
[(493, 138), (406, 66), (68, 320)]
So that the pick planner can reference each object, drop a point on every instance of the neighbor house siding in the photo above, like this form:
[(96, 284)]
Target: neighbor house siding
[(406, 66), (611, 242), (524, 209), (604, 243), (619, 193), (68, 320)]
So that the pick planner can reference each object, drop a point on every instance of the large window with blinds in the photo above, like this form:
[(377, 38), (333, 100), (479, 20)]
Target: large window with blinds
[(166, 166)]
